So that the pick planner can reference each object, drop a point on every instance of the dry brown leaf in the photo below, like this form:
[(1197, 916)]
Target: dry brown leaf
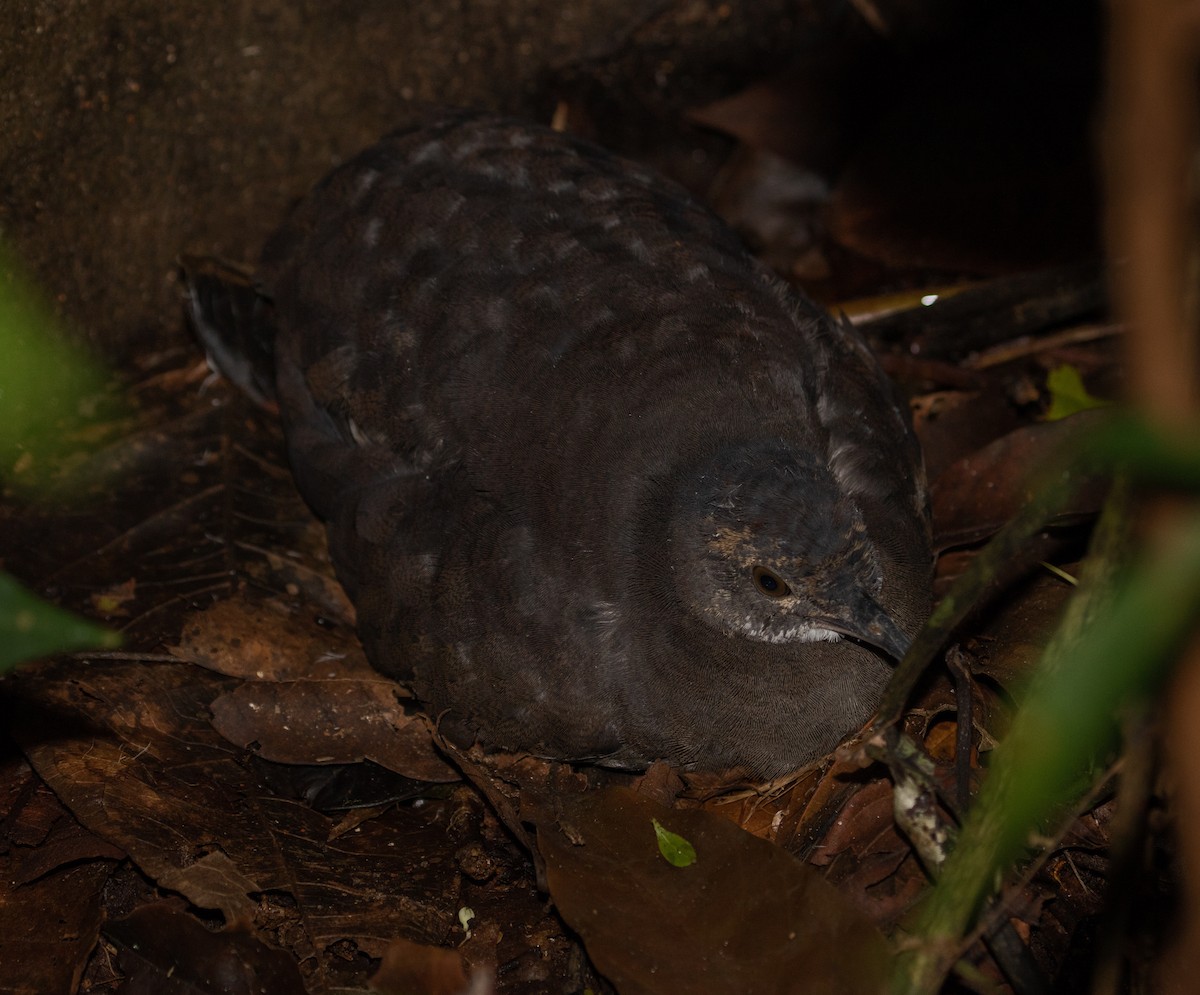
[(338, 721), (264, 642), (745, 917), (417, 969)]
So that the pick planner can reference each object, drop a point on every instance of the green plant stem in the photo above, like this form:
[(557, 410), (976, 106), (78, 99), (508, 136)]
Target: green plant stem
[(1123, 654)]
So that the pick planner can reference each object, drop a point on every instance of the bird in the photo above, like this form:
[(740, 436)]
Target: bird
[(601, 488)]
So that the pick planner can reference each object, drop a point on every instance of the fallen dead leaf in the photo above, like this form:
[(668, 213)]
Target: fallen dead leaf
[(745, 917), (417, 969), (337, 721)]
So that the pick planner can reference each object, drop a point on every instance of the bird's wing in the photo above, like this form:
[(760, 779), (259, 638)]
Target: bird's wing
[(234, 322)]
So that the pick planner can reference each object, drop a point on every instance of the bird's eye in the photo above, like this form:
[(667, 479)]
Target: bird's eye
[(770, 583)]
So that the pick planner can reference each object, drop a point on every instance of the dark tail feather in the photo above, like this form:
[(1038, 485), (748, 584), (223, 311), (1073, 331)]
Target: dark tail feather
[(234, 323)]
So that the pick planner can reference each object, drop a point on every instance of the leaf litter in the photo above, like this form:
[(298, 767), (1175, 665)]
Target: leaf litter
[(240, 666)]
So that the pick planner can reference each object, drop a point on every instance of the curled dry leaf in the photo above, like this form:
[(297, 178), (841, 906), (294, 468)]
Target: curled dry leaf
[(267, 642), (307, 722), (214, 882), (310, 696), (975, 496)]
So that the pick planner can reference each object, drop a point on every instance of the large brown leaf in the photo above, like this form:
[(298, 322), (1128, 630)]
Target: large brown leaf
[(746, 917)]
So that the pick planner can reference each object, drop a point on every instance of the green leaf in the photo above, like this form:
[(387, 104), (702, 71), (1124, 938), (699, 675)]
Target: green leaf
[(48, 385), (1068, 394), (677, 851), (30, 628), (1104, 659)]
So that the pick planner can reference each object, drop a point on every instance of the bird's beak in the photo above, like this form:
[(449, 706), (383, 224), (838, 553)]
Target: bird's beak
[(870, 623)]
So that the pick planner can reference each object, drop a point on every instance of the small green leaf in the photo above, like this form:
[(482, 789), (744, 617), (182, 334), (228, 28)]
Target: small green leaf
[(677, 851), (30, 628), (1068, 394)]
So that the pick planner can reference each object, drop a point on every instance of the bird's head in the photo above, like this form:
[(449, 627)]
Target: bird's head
[(767, 546)]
